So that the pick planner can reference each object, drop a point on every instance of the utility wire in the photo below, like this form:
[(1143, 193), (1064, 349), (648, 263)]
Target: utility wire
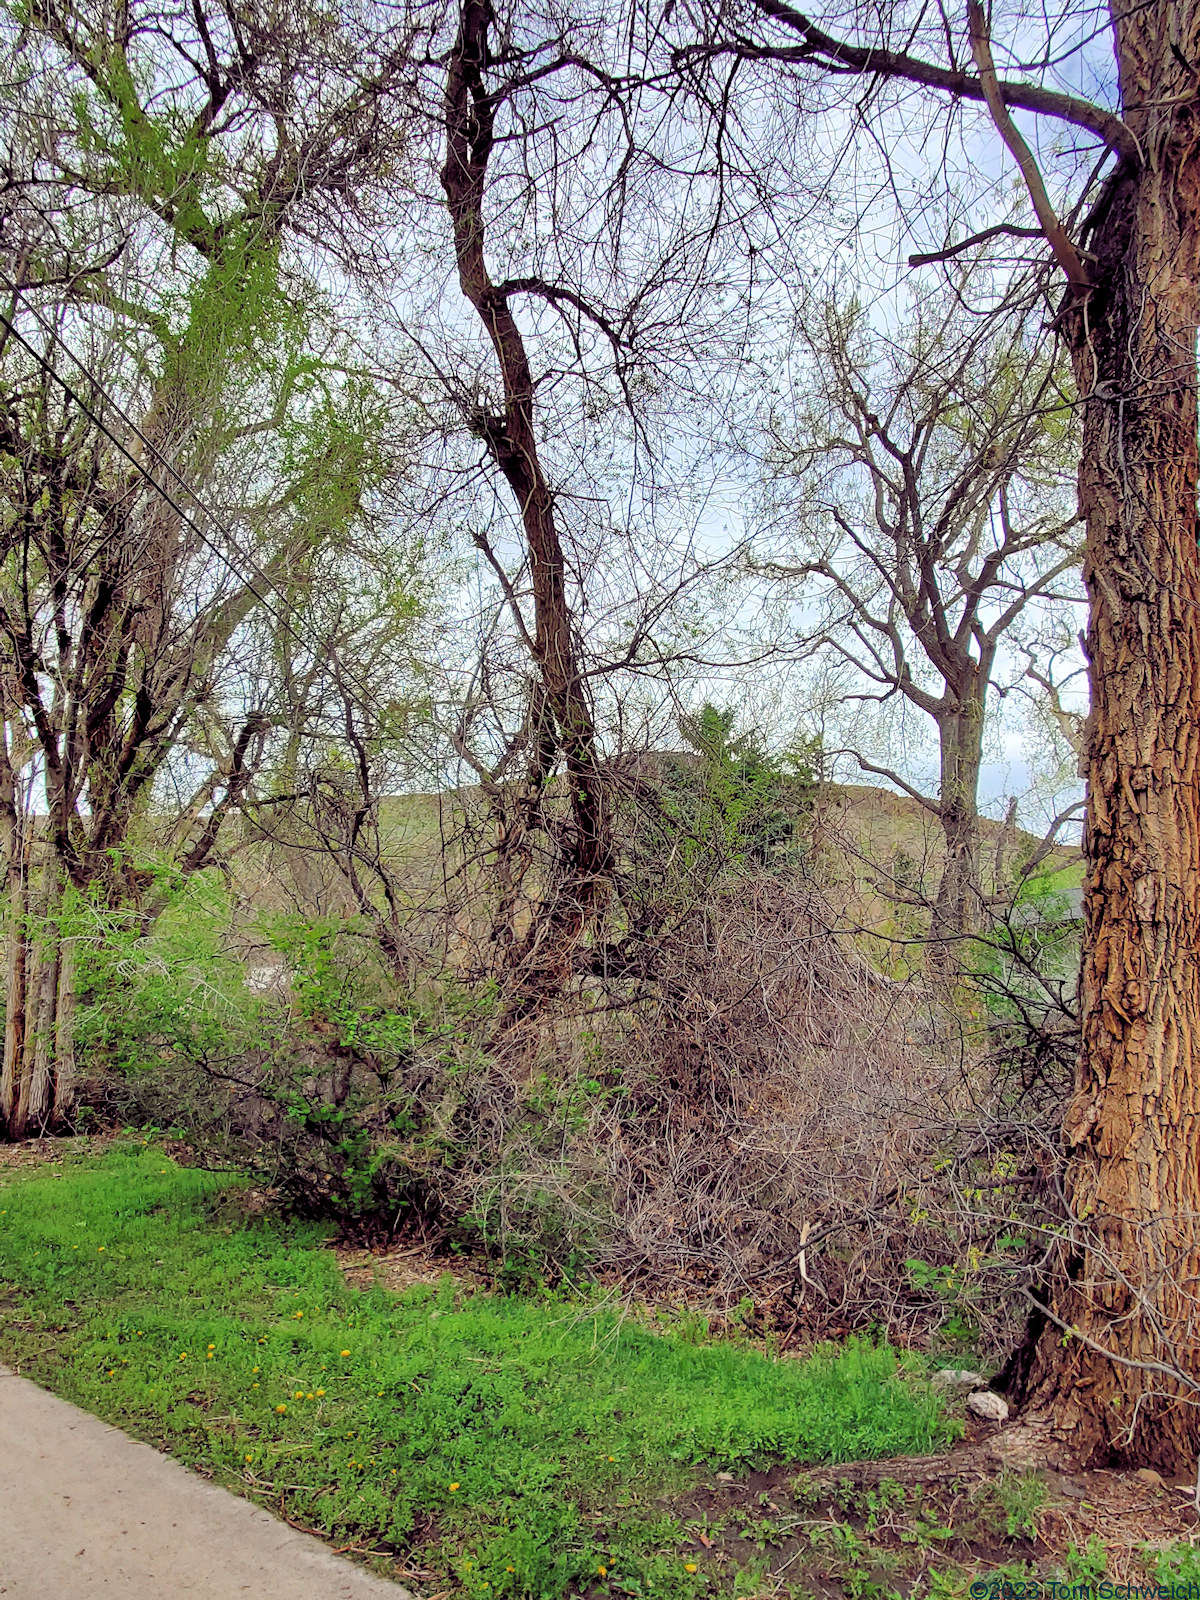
[(94, 417)]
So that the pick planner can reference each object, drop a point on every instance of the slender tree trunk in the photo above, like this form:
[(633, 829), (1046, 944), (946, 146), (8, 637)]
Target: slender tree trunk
[(955, 910), (1131, 1274), (25, 1116), (64, 1036), (15, 996), (36, 1108), (566, 723), (37, 1081), (36, 1070)]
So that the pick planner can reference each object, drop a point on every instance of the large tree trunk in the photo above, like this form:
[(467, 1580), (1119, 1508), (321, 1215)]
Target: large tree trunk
[(1132, 1268)]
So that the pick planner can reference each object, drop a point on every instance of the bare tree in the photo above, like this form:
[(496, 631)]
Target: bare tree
[(574, 316), (561, 717), (922, 504)]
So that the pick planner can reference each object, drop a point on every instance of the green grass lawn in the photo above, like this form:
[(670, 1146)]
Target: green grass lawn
[(514, 1447)]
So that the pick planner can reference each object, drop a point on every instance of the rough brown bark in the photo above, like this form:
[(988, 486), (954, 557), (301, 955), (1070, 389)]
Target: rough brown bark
[(37, 1087), (37, 1079), (1133, 1180), (46, 990), (27, 1111)]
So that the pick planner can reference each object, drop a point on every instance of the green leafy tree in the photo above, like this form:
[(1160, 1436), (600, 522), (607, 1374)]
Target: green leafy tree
[(165, 350), (743, 805)]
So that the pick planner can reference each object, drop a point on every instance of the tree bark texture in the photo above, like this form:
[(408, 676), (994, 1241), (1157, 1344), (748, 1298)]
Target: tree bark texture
[(1132, 1273), (16, 911)]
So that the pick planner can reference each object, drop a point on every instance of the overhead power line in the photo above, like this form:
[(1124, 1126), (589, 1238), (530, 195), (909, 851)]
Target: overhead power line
[(261, 577)]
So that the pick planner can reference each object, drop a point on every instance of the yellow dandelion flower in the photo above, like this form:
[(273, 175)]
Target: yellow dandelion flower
[(210, 1356), (689, 1566), (612, 1458), (299, 1314), (602, 1572), (249, 1458), (299, 1395), (281, 1409), (510, 1569), (308, 1396), (254, 1385), (255, 1369), (320, 1392), (212, 1347), (454, 1488), (100, 1249), (345, 1352)]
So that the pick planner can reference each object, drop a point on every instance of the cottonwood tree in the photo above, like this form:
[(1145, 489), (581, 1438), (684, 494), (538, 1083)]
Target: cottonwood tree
[(921, 505), (106, 659), (1098, 110), (158, 350)]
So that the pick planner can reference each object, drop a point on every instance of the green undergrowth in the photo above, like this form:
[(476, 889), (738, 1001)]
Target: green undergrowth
[(507, 1446), (1179, 1564)]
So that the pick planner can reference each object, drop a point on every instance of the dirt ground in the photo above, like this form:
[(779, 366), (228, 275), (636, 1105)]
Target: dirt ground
[(402, 1267)]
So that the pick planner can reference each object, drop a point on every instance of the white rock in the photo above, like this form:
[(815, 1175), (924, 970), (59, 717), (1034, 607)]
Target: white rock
[(959, 1378), (988, 1406), (268, 979)]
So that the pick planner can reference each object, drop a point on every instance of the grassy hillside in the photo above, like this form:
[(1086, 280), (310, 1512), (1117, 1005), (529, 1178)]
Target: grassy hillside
[(866, 837)]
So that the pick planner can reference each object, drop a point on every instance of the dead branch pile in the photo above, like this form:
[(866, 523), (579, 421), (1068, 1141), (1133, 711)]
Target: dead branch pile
[(790, 1127), (759, 1119)]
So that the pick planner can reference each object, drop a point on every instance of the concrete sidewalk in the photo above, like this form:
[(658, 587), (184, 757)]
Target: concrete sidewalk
[(87, 1511)]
